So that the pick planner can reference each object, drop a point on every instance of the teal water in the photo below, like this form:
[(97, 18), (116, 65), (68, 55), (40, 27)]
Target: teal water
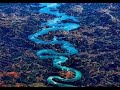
[(58, 58)]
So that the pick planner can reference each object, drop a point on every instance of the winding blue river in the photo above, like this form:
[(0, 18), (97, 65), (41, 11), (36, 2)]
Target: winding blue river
[(58, 58)]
